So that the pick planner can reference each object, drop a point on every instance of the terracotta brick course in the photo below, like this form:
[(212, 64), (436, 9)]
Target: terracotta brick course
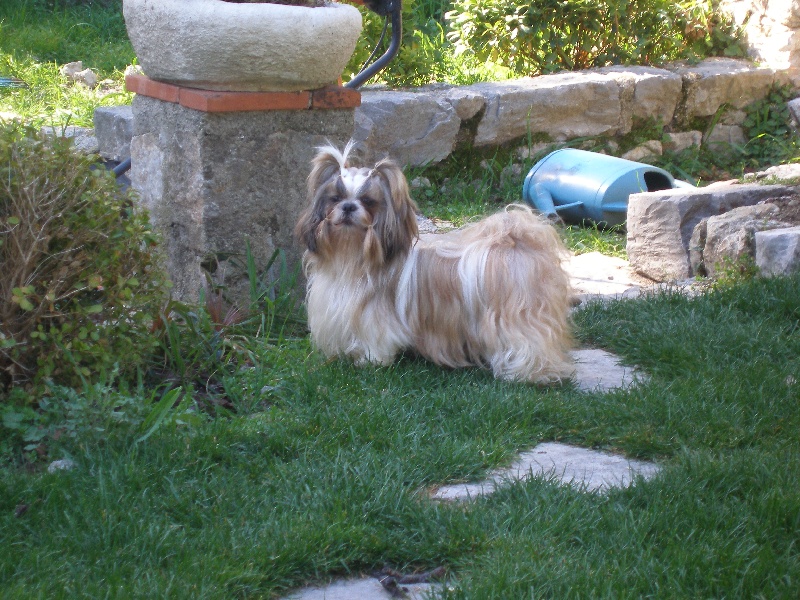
[(139, 84), (331, 97), (335, 97)]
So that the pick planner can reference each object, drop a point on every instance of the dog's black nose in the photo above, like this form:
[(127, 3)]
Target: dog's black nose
[(349, 207)]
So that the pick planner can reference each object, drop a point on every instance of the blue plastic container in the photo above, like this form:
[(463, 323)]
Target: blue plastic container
[(578, 185)]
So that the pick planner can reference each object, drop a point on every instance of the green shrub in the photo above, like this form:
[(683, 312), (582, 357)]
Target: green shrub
[(548, 35), (79, 276)]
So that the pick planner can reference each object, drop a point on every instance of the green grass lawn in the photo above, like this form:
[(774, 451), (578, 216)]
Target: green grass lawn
[(279, 469), (324, 475)]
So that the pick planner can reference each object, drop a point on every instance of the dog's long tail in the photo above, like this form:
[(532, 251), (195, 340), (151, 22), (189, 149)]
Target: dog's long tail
[(518, 294)]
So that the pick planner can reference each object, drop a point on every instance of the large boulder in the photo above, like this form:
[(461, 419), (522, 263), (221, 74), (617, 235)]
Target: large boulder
[(413, 128)]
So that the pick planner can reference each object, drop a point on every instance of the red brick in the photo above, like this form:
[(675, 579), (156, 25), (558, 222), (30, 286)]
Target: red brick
[(335, 97), (144, 86), (211, 101)]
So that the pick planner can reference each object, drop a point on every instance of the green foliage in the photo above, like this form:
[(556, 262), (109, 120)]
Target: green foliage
[(539, 37), (201, 347), (770, 141), (66, 418), (425, 55), (80, 278), (767, 127)]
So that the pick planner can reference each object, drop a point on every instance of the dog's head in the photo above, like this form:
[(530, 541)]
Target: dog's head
[(365, 211)]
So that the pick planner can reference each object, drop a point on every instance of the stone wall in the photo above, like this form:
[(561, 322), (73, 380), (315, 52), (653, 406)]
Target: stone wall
[(213, 181), (425, 125)]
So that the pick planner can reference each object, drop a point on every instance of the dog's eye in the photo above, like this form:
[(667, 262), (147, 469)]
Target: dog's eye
[(368, 202), (333, 199)]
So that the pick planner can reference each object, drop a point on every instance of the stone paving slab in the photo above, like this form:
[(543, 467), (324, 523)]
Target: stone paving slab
[(595, 275), (585, 469), (360, 589), (600, 371)]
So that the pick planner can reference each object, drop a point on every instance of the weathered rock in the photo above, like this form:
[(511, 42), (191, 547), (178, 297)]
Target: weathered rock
[(778, 251), (242, 46), (660, 224), (75, 72), (780, 172), (729, 238), (64, 464), (715, 82), (83, 138), (70, 69), (113, 126), (727, 135), (413, 128), (600, 371), (645, 93), (772, 29), (596, 276), (563, 106), (645, 151), (680, 140), (361, 589), (215, 181), (794, 109), (87, 77), (584, 469)]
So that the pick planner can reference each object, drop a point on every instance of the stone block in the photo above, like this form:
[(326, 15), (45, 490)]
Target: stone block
[(413, 128), (778, 251), (647, 93), (715, 82), (647, 151), (215, 181), (681, 140), (83, 139), (726, 135), (563, 106), (660, 224), (113, 127), (729, 238)]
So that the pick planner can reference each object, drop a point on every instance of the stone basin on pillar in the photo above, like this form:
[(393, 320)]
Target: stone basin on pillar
[(233, 46)]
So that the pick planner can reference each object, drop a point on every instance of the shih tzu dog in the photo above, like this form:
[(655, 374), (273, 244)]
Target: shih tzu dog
[(492, 294)]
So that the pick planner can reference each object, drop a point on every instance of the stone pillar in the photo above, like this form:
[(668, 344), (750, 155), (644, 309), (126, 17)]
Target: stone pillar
[(217, 170)]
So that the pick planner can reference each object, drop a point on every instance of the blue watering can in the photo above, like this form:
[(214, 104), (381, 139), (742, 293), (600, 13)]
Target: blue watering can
[(578, 185)]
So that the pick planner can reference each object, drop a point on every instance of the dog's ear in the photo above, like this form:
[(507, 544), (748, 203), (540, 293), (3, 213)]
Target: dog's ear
[(398, 225), (305, 232), (327, 164)]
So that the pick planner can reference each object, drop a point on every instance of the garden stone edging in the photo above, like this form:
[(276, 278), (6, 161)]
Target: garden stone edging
[(425, 125), (596, 102)]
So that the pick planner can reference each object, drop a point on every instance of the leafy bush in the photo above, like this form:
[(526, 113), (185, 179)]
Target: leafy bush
[(80, 279), (201, 346), (548, 35)]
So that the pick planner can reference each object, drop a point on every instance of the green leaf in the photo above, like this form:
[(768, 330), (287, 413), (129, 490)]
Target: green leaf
[(159, 413)]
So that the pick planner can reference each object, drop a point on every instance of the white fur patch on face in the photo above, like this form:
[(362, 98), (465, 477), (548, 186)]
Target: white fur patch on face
[(355, 179)]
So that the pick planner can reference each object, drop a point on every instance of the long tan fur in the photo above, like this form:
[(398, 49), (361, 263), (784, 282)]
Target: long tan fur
[(492, 294)]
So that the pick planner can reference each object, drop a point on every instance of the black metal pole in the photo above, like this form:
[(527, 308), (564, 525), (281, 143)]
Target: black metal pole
[(394, 47)]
